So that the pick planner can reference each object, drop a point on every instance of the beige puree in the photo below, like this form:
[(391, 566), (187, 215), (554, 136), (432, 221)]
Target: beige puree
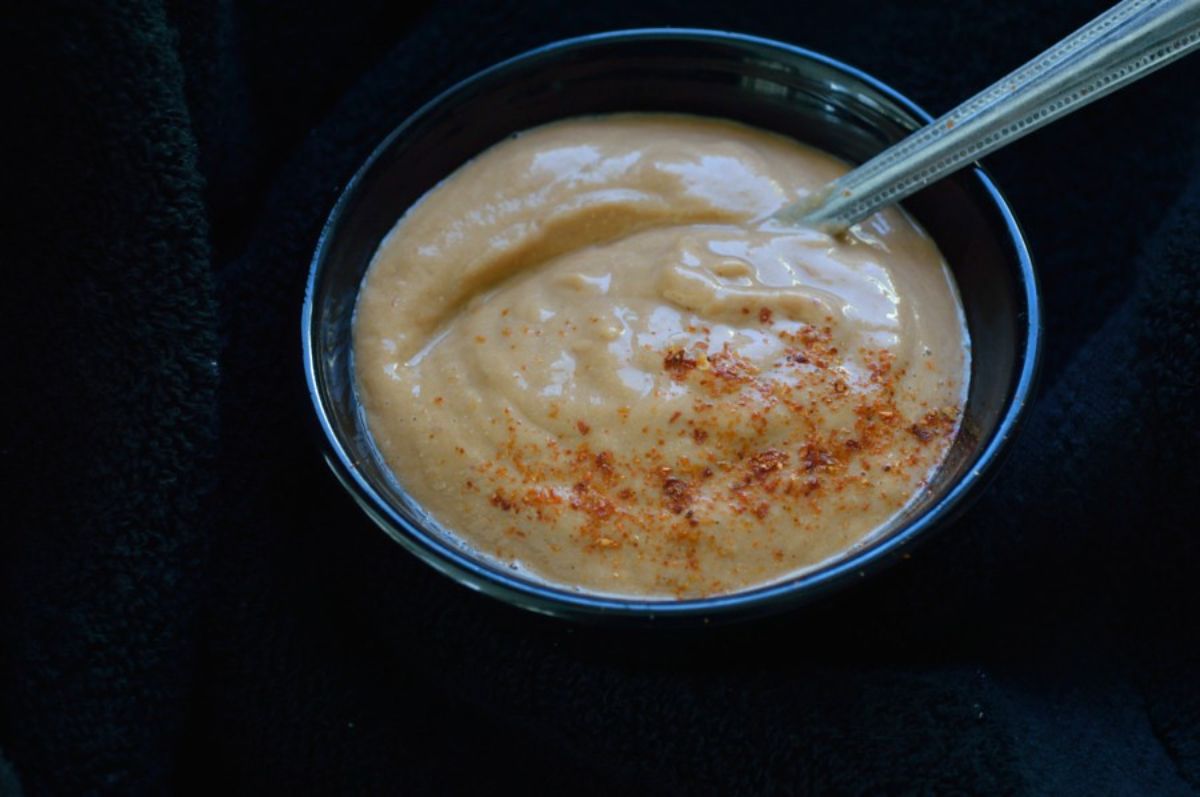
[(588, 355)]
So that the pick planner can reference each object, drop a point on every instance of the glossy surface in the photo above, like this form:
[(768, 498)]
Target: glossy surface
[(589, 356)]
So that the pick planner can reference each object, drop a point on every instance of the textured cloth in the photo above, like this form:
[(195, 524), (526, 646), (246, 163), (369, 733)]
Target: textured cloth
[(189, 603)]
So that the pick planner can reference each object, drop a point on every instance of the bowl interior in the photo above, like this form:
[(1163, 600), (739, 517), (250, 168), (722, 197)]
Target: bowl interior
[(761, 83)]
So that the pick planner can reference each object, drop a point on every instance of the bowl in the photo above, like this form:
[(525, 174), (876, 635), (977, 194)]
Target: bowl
[(764, 83)]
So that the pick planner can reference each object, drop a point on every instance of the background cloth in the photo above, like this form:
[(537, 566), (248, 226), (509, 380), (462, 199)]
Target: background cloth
[(189, 603)]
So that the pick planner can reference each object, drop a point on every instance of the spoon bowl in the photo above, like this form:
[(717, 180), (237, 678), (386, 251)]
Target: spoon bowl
[(760, 82)]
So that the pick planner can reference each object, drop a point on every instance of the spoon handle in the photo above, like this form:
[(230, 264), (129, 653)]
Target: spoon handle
[(1125, 43)]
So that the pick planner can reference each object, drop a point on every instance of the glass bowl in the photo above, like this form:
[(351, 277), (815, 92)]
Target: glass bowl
[(764, 83)]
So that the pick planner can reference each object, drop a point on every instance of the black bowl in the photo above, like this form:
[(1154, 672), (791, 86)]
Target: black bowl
[(757, 81)]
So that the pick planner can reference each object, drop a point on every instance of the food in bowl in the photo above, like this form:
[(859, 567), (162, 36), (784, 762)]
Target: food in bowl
[(590, 355)]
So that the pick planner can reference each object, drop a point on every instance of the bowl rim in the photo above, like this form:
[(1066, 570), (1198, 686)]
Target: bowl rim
[(777, 596)]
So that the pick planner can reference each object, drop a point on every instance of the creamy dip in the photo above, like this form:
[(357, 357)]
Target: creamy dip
[(590, 356)]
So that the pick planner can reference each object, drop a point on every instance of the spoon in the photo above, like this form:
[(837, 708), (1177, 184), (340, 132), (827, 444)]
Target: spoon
[(1124, 44)]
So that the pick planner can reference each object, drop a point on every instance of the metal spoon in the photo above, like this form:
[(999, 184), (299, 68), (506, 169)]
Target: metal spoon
[(1124, 44)]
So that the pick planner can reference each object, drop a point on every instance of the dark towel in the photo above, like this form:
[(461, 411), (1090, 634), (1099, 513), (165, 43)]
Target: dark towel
[(189, 603)]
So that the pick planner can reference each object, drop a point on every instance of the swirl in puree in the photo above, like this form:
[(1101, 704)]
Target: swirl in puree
[(590, 356)]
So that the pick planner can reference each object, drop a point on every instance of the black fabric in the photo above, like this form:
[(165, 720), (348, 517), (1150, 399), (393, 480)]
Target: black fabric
[(190, 604)]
